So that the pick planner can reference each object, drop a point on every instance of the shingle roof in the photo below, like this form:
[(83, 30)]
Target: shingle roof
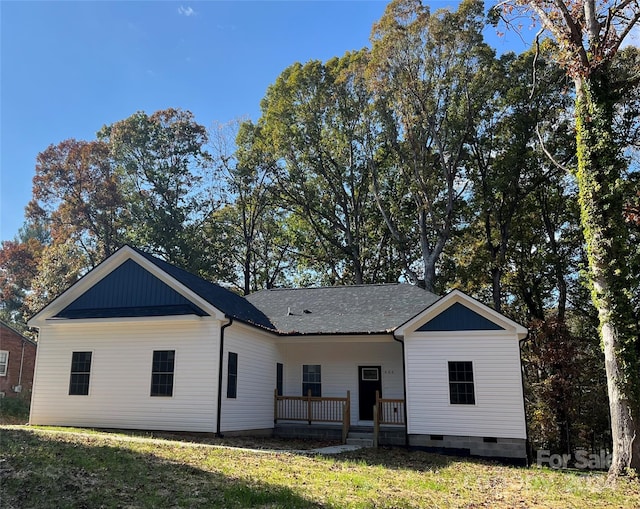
[(359, 309)]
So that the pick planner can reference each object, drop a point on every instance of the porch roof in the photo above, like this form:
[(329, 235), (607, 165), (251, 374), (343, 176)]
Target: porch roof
[(358, 309)]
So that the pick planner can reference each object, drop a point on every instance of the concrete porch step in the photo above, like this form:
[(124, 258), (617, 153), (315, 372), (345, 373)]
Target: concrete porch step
[(361, 438), (362, 442), (360, 434)]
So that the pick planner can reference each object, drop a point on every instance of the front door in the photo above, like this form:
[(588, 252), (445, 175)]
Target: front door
[(370, 381)]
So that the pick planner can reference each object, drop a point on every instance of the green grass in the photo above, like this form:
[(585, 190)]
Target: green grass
[(51, 468)]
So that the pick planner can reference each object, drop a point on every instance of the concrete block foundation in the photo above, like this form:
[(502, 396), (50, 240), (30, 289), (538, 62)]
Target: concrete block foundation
[(512, 450)]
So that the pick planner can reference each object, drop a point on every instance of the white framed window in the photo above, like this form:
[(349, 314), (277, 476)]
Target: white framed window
[(232, 375), (370, 374), (4, 362), (311, 380), (162, 372), (461, 389), (280, 378), (80, 373)]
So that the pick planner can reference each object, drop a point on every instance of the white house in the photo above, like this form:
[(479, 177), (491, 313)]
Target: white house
[(139, 343)]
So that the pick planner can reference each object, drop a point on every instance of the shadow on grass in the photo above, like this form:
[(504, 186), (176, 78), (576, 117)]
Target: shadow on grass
[(401, 458), (397, 458), (38, 472), (264, 443)]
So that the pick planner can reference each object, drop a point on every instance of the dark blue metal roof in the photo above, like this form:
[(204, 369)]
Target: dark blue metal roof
[(129, 291), (459, 317)]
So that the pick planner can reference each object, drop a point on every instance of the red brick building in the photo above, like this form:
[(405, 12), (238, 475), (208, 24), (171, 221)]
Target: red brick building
[(17, 363)]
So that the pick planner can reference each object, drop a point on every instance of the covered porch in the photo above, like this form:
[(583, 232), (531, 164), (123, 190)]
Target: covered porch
[(333, 387), (329, 418)]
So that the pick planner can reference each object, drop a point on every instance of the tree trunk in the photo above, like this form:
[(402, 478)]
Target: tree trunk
[(601, 204), (496, 288), (247, 270), (625, 431)]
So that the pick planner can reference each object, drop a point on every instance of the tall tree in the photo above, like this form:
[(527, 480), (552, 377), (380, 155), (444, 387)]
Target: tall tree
[(78, 195), (430, 73), (163, 158), (317, 119), (19, 260), (246, 237), (506, 164), (60, 265), (589, 34)]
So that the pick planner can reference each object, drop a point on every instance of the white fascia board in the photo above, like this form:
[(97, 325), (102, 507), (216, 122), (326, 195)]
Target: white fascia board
[(103, 270), (252, 330), (129, 319), (506, 334), (456, 296), (335, 338)]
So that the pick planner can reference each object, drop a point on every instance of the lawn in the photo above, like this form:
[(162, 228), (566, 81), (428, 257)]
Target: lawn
[(51, 468)]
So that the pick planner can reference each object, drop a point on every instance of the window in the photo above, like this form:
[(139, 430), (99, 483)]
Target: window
[(461, 383), (279, 379), (162, 372), (4, 362), (311, 380), (370, 374), (80, 370), (232, 375)]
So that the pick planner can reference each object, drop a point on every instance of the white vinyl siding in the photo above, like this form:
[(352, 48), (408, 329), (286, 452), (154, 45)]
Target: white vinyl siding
[(499, 408), (340, 360), (121, 366), (252, 408)]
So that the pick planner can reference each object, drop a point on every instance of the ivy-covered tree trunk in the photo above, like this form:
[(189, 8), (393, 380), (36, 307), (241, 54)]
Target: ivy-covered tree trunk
[(601, 198)]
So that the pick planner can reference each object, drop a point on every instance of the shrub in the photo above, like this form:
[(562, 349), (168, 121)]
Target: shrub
[(14, 410)]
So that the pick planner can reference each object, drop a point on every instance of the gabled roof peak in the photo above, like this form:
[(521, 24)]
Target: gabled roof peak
[(322, 310)]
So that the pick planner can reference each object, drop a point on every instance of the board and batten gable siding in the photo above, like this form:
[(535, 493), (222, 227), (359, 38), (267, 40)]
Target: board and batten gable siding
[(120, 377), (252, 408), (499, 403), (339, 358)]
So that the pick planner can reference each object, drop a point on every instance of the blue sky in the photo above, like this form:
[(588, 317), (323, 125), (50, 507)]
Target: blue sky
[(68, 68)]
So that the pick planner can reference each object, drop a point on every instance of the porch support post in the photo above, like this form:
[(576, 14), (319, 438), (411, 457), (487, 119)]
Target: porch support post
[(309, 406), (376, 426), (346, 418)]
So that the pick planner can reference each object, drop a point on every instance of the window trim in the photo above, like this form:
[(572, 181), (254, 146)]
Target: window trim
[(306, 384), (74, 375), (157, 393), (5, 363), (232, 375), (469, 397)]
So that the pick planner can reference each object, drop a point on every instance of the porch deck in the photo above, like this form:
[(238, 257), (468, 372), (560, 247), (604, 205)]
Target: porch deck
[(330, 419), (388, 435)]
